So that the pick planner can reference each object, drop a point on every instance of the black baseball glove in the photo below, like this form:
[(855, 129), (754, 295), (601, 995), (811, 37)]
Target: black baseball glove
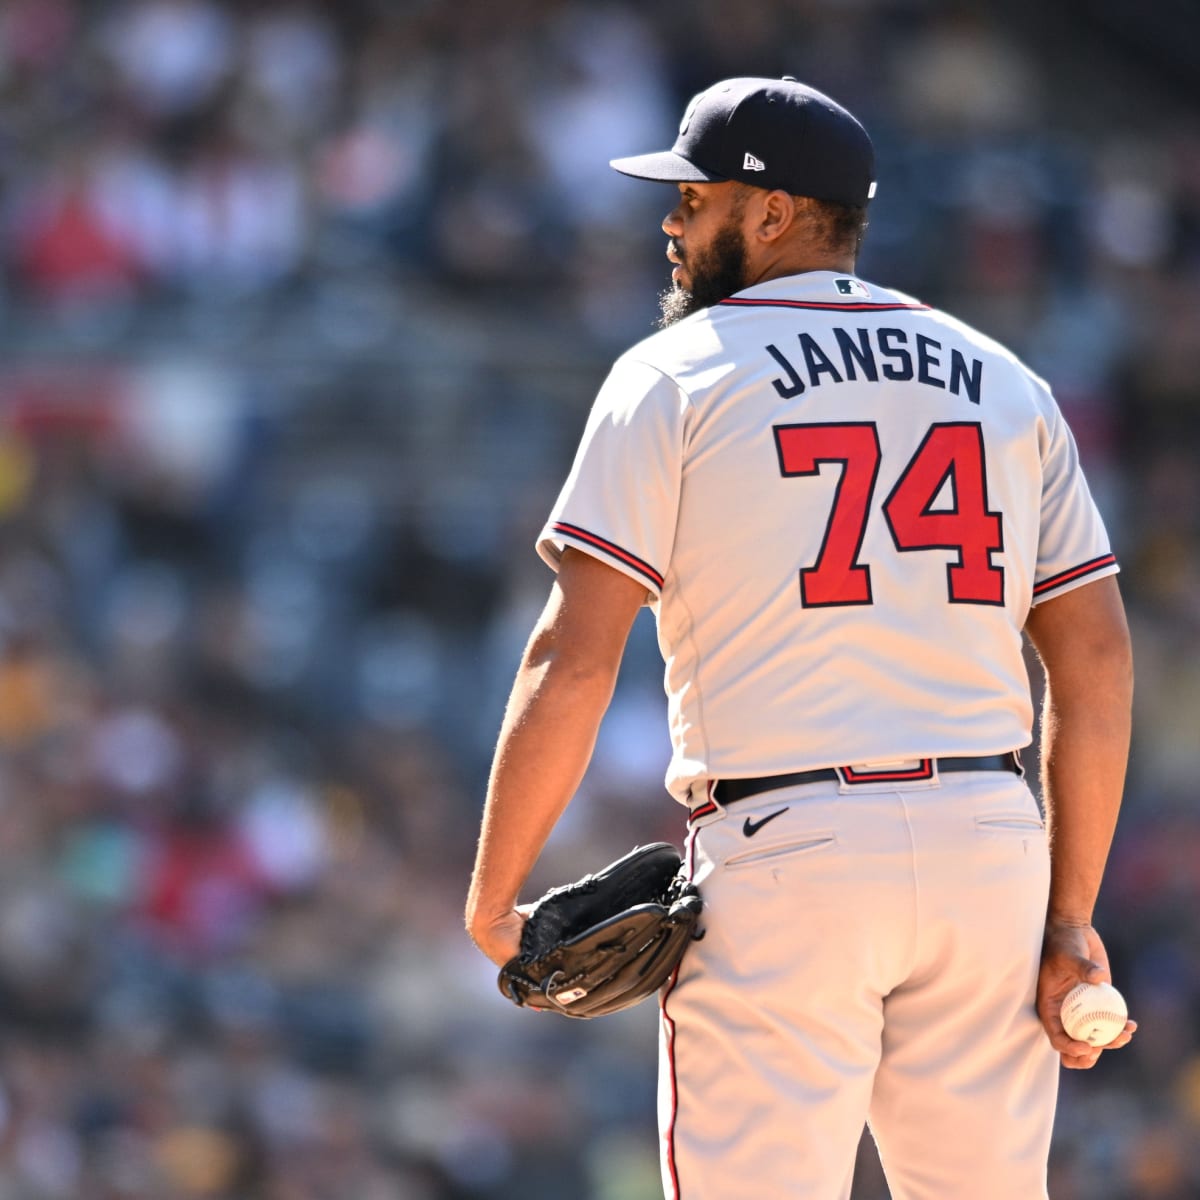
[(607, 941)]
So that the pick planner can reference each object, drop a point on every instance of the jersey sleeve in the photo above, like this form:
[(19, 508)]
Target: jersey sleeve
[(621, 499), (1073, 545)]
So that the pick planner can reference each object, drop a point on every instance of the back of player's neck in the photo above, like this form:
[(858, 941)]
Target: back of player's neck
[(843, 265)]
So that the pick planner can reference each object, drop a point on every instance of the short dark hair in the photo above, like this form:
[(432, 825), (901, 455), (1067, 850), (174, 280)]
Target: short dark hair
[(845, 225)]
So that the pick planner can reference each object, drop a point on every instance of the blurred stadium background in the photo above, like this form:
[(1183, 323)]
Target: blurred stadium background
[(301, 309)]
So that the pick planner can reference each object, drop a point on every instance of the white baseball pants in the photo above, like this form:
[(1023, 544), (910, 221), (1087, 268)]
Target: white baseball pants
[(869, 954)]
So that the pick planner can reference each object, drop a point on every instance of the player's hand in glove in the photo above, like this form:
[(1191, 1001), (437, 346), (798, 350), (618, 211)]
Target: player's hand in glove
[(608, 940), (1072, 954), (501, 940)]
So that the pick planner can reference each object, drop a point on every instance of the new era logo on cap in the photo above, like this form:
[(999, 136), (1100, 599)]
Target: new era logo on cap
[(804, 142)]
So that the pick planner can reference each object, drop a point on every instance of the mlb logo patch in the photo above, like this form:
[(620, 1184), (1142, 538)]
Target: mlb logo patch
[(852, 287)]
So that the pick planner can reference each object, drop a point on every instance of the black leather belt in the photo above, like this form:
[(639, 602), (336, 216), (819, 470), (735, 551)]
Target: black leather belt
[(727, 791)]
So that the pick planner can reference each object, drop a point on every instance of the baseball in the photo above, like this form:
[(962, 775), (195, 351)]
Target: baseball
[(1094, 1013)]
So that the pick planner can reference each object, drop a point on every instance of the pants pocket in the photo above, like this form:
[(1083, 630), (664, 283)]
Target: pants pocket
[(1009, 822), (806, 843)]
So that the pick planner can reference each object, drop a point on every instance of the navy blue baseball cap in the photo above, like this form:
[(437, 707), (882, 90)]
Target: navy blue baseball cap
[(770, 133)]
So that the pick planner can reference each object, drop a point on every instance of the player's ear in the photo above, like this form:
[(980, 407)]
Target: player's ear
[(776, 212)]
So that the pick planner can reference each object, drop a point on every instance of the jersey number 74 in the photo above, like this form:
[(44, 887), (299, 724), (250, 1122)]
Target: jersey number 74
[(950, 454)]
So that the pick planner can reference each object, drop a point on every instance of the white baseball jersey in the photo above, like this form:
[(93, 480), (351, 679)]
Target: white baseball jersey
[(842, 504)]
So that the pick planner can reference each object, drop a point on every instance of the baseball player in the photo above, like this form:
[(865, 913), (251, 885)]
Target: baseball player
[(845, 509)]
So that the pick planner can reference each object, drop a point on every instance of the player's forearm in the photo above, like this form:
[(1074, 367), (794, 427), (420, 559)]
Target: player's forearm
[(1085, 744), (545, 744), (1082, 638)]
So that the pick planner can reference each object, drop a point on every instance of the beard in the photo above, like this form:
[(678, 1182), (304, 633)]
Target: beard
[(717, 272)]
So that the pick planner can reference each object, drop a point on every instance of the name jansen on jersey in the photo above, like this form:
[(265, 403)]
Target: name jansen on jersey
[(872, 354)]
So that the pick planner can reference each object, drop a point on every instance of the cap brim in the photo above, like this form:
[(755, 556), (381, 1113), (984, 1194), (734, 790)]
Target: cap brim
[(664, 167)]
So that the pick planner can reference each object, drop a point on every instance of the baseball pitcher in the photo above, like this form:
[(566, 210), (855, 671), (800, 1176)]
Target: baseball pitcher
[(846, 511)]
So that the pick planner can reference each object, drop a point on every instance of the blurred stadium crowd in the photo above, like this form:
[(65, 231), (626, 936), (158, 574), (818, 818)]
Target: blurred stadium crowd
[(301, 308)]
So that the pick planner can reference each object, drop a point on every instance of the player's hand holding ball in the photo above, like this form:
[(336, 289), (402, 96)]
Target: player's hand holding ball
[(1082, 1013), (1094, 1013)]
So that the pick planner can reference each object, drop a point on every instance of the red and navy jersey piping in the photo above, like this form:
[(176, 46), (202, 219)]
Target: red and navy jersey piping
[(828, 306), (1087, 568), (594, 539), (708, 806)]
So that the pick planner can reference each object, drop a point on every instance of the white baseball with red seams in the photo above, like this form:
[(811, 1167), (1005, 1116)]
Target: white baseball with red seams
[(1094, 1013)]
